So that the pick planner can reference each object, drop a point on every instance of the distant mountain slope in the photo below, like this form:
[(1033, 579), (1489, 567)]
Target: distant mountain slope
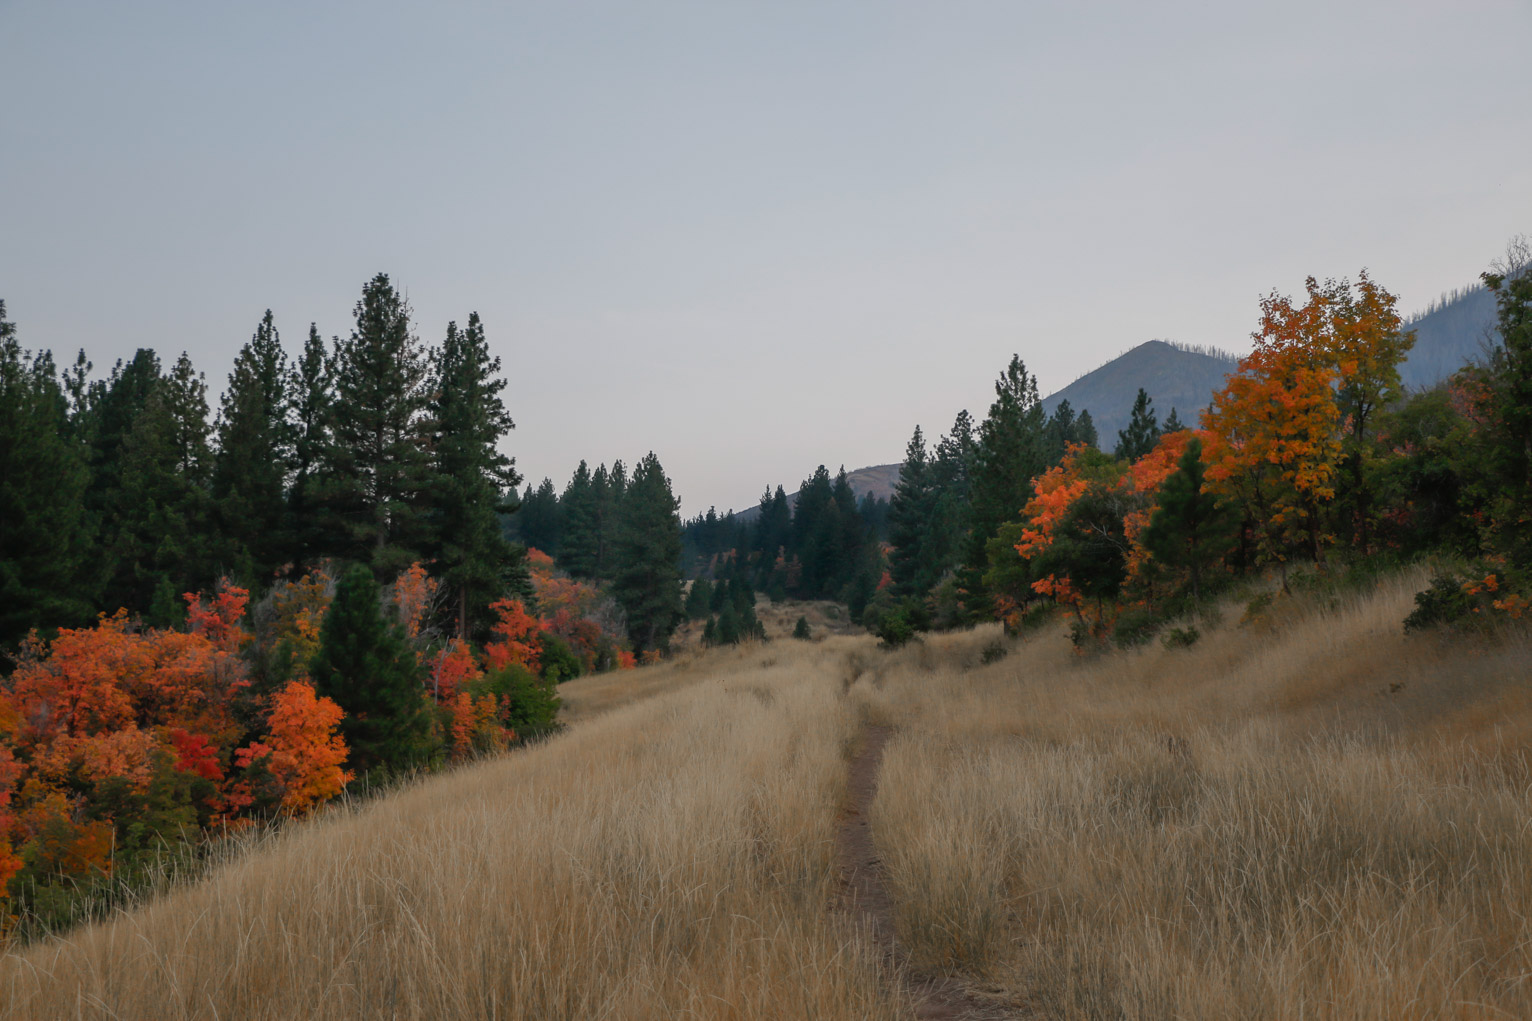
[(1453, 332), (878, 480), (1175, 377)]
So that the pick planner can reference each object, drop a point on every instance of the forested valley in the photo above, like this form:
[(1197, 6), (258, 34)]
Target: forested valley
[(211, 622)]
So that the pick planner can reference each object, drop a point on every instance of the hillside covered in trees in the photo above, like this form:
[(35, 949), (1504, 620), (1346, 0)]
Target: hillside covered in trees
[(208, 620), (211, 621)]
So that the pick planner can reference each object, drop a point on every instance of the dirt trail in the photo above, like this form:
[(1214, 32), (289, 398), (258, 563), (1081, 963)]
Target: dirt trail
[(870, 904)]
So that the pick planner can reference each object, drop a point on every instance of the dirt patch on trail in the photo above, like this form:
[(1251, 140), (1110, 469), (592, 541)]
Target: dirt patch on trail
[(868, 901)]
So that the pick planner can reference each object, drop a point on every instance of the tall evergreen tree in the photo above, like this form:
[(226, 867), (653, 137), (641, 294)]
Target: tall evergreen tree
[(1192, 528), (951, 472), (1507, 438), (579, 543), (1143, 430), (1173, 424), (1010, 450), (163, 536), (911, 513), (773, 532), (379, 464), (648, 559), (471, 476), (310, 397), (367, 667), (1061, 430), (43, 479), (538, 520), (255, 440), (1085, 429), (699, 597)]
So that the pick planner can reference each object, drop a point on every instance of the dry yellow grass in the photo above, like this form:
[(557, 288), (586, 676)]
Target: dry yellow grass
[(1321, 819), (673, 858), (1309, 816)]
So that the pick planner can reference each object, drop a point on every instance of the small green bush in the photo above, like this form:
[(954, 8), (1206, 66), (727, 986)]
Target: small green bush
[(1180, 637), (532, 707), (994, 652), (894, 628), (801, 629), (1135, 626), (557, 660)]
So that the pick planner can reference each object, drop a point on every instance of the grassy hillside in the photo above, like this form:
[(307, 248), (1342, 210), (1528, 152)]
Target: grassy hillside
[(1303, 814)]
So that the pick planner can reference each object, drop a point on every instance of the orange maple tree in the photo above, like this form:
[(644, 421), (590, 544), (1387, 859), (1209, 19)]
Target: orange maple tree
[(1277, 422), (519, 640), (302, 749)]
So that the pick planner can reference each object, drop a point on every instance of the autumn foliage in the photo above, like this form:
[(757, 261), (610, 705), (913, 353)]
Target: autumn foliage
[(1291, 461), (107, 723)]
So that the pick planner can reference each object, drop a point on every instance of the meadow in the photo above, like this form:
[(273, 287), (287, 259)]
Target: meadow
[(1304, 814)]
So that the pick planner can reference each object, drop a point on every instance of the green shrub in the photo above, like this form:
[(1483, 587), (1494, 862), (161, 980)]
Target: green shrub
[(994, 652), (557, 661), (532, 706), (801, 629), (1135, 626), (894, 628), (1180, 637)]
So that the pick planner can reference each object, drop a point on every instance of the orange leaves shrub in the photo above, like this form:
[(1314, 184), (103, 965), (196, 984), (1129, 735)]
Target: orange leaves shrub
[(93, 723), (452, 666), (519, 640), (414, 592), (476, 724), (303, 749)]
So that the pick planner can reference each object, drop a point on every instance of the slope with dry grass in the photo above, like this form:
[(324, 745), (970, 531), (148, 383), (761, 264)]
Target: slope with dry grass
[(1308, 816), (1303, 815), (669, 858)]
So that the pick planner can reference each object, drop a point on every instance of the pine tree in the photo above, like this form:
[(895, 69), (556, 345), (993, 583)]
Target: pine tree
[(579, 543), (43, 479), (773, 531), (609, 494), (310, 397), (471, 478), (1508, 437), (365, 664), (163, 526), (801, 630), (538, 520), (1011, 450), (1192, 528), (910, 515), (254, 449), (647, 582), (1143, 430), (377, 457), (1085, 430), (1173, 424), (951, 472), (698, 598), (728, 630)]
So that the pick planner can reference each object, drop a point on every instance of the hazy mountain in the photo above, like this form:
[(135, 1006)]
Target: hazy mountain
[(1175, 375), (878, 480), (1455, 330)]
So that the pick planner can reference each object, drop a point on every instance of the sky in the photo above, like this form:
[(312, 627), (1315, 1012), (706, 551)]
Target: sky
[(751, 237)]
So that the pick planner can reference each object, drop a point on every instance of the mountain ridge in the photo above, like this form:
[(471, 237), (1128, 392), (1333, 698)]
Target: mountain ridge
[(1454, 331)]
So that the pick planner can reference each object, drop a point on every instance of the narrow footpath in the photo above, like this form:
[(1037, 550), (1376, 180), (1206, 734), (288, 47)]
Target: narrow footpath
[(869, 903)]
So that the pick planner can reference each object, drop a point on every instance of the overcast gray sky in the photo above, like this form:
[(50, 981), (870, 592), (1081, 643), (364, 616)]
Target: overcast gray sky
[(752, 237)]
